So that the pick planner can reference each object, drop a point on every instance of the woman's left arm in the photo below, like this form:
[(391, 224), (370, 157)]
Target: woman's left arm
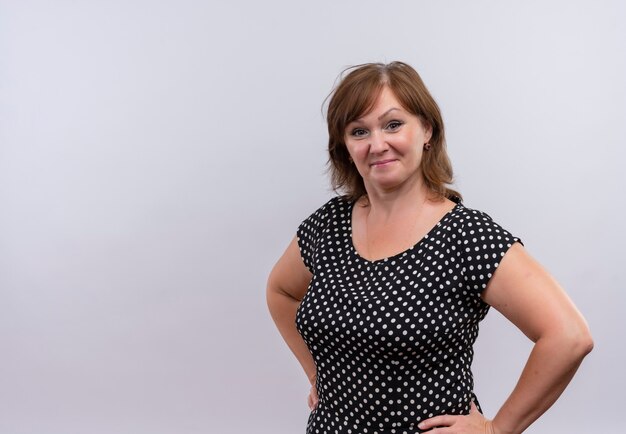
[(525, 293)]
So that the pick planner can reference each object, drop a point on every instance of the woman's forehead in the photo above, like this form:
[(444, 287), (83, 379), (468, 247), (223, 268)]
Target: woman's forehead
[(382, 103)]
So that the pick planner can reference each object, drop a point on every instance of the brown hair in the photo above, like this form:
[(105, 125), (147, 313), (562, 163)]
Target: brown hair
[(355, 96)]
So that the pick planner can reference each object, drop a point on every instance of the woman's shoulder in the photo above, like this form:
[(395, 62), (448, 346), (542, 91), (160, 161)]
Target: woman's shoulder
[(477, 225), (333, 205), (469, 215), (334, 209), (318, 225)]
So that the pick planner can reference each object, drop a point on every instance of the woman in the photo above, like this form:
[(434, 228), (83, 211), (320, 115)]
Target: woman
[(380, 293)]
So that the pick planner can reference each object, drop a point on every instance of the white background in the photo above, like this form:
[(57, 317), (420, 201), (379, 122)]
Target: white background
[(156, 158)]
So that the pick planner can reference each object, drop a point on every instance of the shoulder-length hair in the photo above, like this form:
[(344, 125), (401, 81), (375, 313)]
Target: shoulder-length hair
[(356, 95)]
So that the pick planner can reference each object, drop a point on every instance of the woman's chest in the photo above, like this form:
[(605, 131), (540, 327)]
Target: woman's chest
[(407, 301)]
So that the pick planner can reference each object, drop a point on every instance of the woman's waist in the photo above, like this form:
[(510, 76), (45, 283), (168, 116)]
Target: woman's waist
[(391, 402), (363, 418)]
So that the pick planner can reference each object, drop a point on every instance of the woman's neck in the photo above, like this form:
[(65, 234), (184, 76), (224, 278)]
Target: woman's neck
[(387, 204)]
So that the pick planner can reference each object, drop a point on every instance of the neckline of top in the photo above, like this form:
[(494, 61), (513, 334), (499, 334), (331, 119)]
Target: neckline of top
[(457, 205)]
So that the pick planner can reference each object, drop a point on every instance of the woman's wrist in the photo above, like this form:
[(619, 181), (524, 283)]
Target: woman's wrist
[(493, 428), (312, 378)]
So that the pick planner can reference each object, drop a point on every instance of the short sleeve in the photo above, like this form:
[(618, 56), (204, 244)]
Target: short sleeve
[(309, 234), (485, 243)]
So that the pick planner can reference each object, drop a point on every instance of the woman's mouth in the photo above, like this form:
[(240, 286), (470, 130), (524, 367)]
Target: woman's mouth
[(382, 163)]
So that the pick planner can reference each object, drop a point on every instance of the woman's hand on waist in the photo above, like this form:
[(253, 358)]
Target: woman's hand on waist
[(313, 399), (473, 423)]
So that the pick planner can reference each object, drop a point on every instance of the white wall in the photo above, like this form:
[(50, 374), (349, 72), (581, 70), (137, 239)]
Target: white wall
[(157, 156)]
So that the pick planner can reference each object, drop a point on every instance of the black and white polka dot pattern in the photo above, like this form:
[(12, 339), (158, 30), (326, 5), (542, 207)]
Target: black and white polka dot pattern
[(392, 339)]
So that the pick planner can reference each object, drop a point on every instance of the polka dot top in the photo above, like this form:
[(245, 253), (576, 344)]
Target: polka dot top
[(392, 338)]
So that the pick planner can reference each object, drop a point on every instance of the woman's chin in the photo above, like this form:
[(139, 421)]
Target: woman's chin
[(387, 182)]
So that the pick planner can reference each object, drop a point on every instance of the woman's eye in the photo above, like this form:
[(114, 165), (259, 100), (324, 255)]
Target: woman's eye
[(394, 125), (358, 132)]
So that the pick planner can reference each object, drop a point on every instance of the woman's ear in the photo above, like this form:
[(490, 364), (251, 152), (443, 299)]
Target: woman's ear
[(428, 131)]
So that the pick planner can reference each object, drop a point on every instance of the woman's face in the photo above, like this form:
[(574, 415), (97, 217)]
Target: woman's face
[(386, 144)]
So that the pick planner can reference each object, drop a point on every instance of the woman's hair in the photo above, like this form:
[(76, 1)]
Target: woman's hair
[(356, 95)]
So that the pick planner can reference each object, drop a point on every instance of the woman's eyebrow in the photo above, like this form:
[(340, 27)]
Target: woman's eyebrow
[(387, 112), (359, 120)]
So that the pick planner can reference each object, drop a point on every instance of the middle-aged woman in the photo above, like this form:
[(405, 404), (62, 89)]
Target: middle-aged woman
[(380, 293)]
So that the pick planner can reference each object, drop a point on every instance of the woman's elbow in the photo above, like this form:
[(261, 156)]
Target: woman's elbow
[(581, 340), (585, 343), (570, 337)]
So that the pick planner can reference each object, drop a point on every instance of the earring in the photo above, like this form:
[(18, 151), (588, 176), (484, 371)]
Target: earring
[(426, 146)]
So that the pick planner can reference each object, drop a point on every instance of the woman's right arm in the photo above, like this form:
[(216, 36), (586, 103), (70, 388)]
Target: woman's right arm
[(286, 286)]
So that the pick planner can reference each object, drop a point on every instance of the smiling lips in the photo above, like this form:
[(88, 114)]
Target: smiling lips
[(382, 163)]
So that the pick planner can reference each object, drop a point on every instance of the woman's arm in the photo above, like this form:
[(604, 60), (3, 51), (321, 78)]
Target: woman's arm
[(286, 286), (525, 293)]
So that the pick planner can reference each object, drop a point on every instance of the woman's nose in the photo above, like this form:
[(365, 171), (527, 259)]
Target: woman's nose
[(378, 143)]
